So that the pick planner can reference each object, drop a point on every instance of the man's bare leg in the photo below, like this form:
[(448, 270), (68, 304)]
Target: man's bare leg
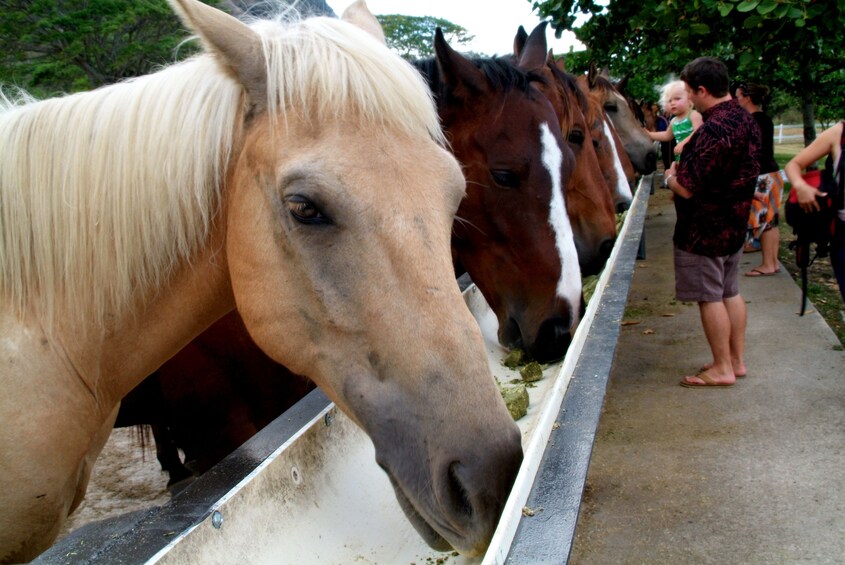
[(718, 327), (738, 314)]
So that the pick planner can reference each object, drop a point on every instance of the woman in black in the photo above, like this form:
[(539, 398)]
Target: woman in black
[(763, 234)]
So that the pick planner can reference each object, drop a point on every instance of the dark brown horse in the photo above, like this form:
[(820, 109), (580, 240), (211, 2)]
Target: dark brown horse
[(212, 396), (638, 145), (616, 166), (511, 233)]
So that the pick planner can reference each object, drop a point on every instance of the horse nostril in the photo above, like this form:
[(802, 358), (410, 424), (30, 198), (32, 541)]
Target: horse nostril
[(622, 206), (651, 162), (606, 248), (458, 494), (510, 335), (552, 341)]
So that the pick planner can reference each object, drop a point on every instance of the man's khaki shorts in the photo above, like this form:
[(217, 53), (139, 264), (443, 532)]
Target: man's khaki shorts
[(706, 279)]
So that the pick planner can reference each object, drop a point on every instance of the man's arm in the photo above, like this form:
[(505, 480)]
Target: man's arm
[(672, 183), (676, 187)]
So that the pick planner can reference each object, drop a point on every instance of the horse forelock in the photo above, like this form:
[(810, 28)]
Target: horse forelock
[(568, 89), (104, 194), (326, 70), (604, 85)]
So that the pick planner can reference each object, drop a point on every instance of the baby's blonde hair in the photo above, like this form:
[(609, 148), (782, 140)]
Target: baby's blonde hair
[(666, 92)]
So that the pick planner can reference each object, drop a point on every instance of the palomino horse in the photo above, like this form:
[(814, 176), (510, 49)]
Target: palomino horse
[(588, 197), (638, 145), (296, 170), (187, 415), (511, 233)]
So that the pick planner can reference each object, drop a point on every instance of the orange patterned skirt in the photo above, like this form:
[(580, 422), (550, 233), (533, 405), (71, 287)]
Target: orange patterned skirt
[(765, 204)]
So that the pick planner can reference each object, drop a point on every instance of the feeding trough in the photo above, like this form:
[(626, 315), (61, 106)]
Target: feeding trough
[(307, 489)]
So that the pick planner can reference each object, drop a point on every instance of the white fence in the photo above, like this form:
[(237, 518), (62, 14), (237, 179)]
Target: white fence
[(792, 133)]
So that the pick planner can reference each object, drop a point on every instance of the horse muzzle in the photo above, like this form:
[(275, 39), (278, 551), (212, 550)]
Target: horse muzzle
[(550, 343)]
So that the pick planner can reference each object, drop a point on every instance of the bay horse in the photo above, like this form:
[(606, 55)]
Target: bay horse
[(616, 167), (296, 170), (511, 233), (589, 203), (638, 145)]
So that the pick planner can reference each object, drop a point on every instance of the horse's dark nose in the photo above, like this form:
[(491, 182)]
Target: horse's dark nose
[(598, 260), (552, 341), (622, 206), (650, 162), (510, 335), (606, 248)]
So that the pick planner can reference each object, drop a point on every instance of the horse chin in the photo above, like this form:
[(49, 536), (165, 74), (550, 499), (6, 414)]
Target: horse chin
[(424, 529)]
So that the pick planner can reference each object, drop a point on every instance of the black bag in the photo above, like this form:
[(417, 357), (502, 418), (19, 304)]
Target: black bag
[(815, 228)]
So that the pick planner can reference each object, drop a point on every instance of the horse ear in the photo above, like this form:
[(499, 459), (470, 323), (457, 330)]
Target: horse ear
[(359, 15), (235, 46), (533, 56), (458, 73), (559, 62), (592, 75), (519, 41), (622, 84)]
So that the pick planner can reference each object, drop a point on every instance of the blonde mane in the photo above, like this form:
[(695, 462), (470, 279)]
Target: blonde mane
[(104, 194)]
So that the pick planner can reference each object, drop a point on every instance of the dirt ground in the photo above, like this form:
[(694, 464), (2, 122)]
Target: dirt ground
[(125, 478)]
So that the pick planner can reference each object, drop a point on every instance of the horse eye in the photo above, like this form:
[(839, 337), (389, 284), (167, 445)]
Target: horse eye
[(610, 107), (505, 179), (576, 137), (304, 211)]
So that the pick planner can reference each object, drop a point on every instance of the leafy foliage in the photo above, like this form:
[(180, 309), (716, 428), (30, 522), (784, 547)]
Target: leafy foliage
[(791, 45), (71, 45), (413, 36)]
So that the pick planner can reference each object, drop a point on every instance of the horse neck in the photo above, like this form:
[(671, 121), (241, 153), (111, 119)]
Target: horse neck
[(113, 360)]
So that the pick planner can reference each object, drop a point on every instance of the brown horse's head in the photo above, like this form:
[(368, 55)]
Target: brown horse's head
[(615, 165), (338, 214), (638, 145), (588, 198), (511, 234)]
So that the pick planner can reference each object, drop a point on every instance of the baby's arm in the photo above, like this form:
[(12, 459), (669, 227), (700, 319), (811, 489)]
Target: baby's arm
[(665, 135), (696, 120)]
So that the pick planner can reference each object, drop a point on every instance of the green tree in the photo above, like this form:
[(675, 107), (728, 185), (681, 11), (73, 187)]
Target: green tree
[(71, 45), (413, 36), (791, 45)]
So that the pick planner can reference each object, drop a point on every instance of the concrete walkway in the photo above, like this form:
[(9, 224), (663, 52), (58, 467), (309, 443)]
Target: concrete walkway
[(748, 474)]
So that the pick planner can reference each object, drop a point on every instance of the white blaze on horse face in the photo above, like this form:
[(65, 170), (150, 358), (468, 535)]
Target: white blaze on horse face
[(569, 285), (622, 188)]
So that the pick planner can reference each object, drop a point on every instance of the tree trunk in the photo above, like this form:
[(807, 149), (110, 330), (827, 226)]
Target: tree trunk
[(808, 113)]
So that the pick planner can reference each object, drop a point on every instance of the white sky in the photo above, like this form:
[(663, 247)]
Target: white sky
[(492, 22)]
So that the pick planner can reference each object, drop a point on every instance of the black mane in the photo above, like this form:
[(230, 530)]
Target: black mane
[(500, 72)]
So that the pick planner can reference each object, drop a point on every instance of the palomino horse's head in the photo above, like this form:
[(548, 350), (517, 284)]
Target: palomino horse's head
[(339, 230), (588, 197), (638, 145), (511, 234), (615, 165)]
